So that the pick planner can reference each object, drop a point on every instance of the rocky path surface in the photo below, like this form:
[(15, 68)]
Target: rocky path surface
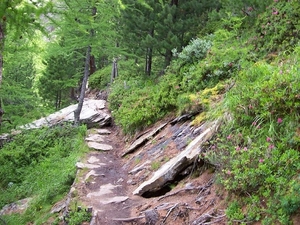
[(153, 178), (106, 181), (102, 183)]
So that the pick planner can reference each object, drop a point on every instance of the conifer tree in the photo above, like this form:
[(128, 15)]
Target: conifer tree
[(20, 17), (157, 27), (86, 26), (56, 84)]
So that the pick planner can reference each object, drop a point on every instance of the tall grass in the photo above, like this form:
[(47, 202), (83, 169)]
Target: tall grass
[(39, 164)]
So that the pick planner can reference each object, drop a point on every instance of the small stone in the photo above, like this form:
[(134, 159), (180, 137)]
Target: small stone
[(129, 181), (94, 174), (93, 160), (120, 180)]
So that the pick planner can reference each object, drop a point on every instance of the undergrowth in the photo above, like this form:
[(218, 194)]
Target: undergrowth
[(257, 152), (40, 164), (254, 77)]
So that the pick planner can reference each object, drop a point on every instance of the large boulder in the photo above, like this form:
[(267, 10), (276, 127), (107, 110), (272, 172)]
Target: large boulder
[(93, 113)]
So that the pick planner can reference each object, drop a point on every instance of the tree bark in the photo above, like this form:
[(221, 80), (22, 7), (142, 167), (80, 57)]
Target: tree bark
[(83, 86), (87, 71), (114, 70), (148, 66), (2, 35), (92, 65), (168, 58)]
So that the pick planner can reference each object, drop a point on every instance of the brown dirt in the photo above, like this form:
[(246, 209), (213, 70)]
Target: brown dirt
[(194, 197)]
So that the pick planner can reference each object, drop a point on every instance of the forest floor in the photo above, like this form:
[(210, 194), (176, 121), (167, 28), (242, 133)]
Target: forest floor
[(107, 181)]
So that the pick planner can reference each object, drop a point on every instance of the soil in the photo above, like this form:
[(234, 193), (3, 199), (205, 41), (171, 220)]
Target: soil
[(193, 198)]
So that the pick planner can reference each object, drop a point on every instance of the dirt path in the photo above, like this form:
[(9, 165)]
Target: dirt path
[(105, 184), (103, 181)]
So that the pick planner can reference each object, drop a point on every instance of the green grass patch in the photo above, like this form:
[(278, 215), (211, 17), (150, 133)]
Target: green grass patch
[(258, 151), (40, 164)]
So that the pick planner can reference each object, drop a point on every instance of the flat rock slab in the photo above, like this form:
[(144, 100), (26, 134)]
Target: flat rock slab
[(99, 146), (140, 167), (93, 173), (95, 138), (141, 140), (81, 165), (104, 190), (170, 169), (16, 207)]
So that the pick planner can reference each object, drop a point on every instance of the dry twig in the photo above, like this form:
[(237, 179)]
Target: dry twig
[(169, 212)]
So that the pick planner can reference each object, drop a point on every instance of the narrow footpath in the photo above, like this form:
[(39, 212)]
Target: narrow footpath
[(102, 181)]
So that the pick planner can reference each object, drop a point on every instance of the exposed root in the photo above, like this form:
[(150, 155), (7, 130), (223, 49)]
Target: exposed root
[(201, 189), (169, 212), (211, 217)]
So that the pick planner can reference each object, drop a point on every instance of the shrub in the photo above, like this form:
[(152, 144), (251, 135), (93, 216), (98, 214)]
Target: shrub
[(258, 152), (141, 102), (194, 51), (40, 164), (277, 29), (101, 78)]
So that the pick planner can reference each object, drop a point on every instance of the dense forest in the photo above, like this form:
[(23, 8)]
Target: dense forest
[(235, 59)]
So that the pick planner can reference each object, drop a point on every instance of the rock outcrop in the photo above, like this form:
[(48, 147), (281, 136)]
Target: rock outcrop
[(93, 113)]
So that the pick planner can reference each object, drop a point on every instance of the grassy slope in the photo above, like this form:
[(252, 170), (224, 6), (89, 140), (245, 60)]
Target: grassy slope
[(257, 151), (40, 164)]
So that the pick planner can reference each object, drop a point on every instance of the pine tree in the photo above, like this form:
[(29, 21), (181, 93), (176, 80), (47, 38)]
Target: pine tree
[(22, 18), (157, 27), (56, 84), (86, 26)]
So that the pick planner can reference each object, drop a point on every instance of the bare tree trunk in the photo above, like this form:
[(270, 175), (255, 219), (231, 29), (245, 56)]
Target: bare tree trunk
[(114, 70), (168, 58), (83, 86), (92, 65), (148, 62), (2, 35)]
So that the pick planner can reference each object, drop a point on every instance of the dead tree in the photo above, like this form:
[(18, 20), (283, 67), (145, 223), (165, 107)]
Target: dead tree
[(83, 86), (114, 70)]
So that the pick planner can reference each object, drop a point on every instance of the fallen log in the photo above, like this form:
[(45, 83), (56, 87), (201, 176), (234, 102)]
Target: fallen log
[(170, 169)]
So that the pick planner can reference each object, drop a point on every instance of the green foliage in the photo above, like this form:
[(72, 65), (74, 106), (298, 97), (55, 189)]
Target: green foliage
[(40, 164), (137, 102), (101, 78), (127, 70), (162, 26), (247, 9), (18, 95), (258, 152), (78, 217), (223, 60), (200, 101), (140, 101), (22, 16), (277, 29), (234, 211), (155, 165), (194, 51), (58, 80)]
